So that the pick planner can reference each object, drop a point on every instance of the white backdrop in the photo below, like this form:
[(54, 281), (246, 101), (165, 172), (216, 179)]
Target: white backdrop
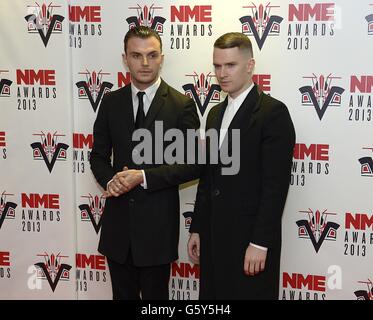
[(58, 58)]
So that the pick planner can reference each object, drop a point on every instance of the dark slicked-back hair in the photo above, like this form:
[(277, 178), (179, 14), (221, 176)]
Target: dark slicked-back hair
[(234, 39), (143, 33)]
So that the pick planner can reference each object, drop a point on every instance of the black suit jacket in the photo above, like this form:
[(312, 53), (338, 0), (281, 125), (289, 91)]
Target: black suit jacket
[(233, 210), (145, 221)]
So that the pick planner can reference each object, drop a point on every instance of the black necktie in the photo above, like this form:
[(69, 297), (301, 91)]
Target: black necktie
[(140, 116)]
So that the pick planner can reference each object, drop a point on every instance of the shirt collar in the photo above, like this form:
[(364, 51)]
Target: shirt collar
[(236, 102), (149, 91)]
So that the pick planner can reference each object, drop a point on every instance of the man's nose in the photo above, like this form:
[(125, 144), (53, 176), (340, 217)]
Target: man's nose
[(145, 61), (223, 72)]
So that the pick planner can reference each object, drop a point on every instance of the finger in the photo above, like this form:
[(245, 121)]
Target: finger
[(125, 168), (246, 266), (251, 268), (106, 194), (113, 191), (257, 267), (262, 265)]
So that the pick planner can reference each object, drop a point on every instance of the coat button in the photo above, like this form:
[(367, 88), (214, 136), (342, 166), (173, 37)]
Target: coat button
[(216, 192), (132, 200)]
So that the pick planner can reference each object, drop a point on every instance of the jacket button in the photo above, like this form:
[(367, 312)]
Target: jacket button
[(132, 200), (216, 192)]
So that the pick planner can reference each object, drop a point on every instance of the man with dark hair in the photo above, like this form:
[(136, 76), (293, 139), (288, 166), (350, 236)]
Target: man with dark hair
[(140, 224), (236, 226)]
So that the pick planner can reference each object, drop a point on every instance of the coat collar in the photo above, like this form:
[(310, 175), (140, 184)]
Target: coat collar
[(155, 106)]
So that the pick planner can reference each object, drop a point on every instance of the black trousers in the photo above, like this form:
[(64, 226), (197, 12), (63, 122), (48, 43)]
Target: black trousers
[(129, 281)]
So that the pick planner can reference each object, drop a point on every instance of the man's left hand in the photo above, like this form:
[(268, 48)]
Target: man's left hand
[(255, 259)]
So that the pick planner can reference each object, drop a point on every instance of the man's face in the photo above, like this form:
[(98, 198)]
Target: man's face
[(233, 69), (143, 59)]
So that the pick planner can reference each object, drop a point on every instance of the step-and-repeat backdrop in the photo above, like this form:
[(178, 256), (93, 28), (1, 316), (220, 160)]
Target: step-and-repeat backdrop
[(57, 60)]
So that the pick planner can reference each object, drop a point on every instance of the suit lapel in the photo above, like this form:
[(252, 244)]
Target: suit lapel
[(127, 116), (157, 103), (244, 114), (216, 116)]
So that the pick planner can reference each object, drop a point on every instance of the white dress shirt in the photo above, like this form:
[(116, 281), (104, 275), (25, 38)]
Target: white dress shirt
[(147, 99), (230, 111)]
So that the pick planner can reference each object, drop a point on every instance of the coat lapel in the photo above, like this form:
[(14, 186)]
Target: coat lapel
[(157, 103), (244, 117), (128, 116)]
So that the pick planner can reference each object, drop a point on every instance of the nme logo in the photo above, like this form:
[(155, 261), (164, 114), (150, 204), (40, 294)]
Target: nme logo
[(93, 88), (123, 79), (363, 84), (300, 281), (358, 221), (31, 77), (263, 81), (317, 228), (93, 210), (360, 104), (321, 94), (4, 85), (35, 200), (87, 13), (42, 20), (188, 13), (261, 23), (146, 17), (305, 12), (185, 270), (318, 152), (52, 269), (80, 140), (95, 262), (3, 149), (49, 150), (82, 151), (2, 139), (202, 91), (4, 259)]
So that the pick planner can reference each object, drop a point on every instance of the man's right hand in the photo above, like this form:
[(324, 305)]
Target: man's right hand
[(193, 247), (115, 188)]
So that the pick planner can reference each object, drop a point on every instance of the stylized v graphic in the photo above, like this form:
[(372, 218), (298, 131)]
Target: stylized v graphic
[(260, 41), (97, 226), (4, 82), (50, 165), (8, 205), (202, 108), (94, 104), (53, 285), (317, 245), (321, 111), (44, 38)]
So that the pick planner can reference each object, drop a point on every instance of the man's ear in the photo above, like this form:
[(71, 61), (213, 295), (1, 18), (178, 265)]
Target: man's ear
[(124, 59), (251, 65)]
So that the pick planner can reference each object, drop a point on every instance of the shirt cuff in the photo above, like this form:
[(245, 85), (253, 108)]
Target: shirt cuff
[(107, 185), (259, 247), (144, 184)]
